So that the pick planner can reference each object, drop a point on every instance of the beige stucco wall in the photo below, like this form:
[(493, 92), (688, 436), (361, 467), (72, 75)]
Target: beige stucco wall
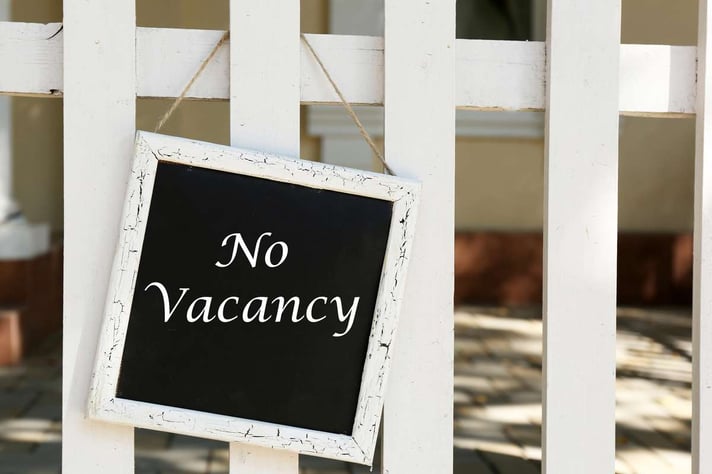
[(657, 155), (37, 135), (499, 182), (659, 22)]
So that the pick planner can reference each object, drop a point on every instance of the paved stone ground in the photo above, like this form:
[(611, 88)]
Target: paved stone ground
[(497, 402), (498, 389)]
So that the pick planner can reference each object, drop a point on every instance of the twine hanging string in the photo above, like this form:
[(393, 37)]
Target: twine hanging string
[(349, 109), (362, 130), (190, 83)]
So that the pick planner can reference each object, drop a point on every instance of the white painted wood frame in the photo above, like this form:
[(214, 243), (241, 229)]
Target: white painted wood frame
[(419, 125), (702, 279), (99, 126), (103, 401), (655, 80), (580, 234), (264, 114)]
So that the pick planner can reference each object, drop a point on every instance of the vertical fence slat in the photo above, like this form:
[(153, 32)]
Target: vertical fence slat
[(580, 236), (264, 115), (99, 127), (419, 126), (245, 459), (264, 75), (702, 286)]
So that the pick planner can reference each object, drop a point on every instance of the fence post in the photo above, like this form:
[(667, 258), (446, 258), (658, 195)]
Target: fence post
[(419, 125), (264, 115), (99, 127), (702, 286), (580, 234)]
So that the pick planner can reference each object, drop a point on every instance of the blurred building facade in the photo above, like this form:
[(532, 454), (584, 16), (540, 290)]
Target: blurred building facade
[(500, 156)]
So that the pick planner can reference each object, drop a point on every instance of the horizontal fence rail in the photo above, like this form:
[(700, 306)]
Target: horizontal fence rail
[(654, 79)]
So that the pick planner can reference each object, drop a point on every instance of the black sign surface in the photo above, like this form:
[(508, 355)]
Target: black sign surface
[(254, 298)]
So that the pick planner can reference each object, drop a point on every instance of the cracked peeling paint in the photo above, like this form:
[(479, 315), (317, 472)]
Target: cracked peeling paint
[(151, 148)]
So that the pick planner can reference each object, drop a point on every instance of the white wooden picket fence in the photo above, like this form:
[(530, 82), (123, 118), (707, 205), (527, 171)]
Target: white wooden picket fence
[(100, 62)]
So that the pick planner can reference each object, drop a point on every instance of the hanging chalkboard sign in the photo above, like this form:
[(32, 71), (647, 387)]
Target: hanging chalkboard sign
[(253, 298)]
